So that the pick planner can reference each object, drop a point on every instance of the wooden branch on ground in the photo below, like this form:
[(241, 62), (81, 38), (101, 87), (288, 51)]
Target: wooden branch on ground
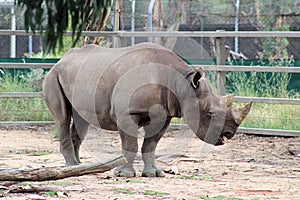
[(55, 173)]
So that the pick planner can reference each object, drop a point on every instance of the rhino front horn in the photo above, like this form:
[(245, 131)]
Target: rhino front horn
[(239, 114)]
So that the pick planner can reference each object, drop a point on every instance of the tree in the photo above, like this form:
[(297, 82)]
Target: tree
[(55, 17)]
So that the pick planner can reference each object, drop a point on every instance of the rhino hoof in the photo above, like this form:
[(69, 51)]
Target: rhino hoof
[(127, 172), (154, 173), (67, 164)]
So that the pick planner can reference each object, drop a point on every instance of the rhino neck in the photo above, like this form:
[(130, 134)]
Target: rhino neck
[(172, 104), (182, 95)]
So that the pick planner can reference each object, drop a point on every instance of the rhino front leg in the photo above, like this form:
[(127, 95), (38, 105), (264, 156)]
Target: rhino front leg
[(129, 150), (153, 134)]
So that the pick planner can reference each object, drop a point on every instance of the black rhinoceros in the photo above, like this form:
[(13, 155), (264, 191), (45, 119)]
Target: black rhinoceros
[(123, 89)]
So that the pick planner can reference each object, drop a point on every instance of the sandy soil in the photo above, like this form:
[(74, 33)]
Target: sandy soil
[(246, 167)]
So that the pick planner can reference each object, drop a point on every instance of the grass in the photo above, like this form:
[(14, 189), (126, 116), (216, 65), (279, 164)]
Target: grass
[(146, 192), (258, 84), (154, 193), (222, 198), (22, 109), (270, 116), (123, 190), (51, 194), (200, 178), (31, 152), (273, 116), (58, 182), (122, 181), (55, 133)]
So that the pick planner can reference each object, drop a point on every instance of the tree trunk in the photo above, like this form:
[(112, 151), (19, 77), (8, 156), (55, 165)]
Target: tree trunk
[(99, 25), (54, 173), (259, 24)]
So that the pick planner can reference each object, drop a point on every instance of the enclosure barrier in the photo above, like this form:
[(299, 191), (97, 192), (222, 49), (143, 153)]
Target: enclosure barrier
[(220, 68)]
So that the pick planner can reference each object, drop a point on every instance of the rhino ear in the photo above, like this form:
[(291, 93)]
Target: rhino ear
[(195, 79)]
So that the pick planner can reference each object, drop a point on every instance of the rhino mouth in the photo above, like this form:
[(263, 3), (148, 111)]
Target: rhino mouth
[(223, 137)]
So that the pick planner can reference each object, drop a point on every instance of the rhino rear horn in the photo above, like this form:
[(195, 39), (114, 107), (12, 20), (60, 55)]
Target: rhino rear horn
[(227, 100), (239, 114)]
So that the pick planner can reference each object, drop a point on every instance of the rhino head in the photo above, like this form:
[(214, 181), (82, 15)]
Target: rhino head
[(213, 118)]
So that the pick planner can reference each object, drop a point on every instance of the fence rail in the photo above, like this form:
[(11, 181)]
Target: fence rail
[(220, 68), (21, 94), (26, 65), (259, 34), (226, 68), (286, 101)]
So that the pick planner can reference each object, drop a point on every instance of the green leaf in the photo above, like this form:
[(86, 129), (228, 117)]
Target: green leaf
[(57, 12)]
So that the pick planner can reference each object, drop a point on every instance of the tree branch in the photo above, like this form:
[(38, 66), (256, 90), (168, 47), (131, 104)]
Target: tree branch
[(54, 173)]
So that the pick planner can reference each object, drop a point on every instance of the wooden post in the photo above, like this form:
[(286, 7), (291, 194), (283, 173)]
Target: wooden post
[(221, 60)]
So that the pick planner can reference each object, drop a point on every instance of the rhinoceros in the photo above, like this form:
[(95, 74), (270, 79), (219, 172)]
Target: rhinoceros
[(124, 89)]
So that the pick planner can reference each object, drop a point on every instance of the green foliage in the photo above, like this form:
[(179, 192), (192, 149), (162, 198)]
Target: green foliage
[(61, 15), (68, 43), (34, 79), (21, 109), (261, 84), (11, 81)]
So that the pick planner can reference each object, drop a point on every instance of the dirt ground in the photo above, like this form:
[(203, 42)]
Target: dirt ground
[(246, 167)]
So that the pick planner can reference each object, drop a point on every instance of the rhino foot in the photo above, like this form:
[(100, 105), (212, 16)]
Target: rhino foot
[(72, 163), (153, 173), (125, 171)]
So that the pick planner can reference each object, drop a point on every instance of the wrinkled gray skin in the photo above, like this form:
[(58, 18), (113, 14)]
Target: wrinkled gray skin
[(127, 88)]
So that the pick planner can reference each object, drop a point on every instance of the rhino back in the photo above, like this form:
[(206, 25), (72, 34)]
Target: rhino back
[(88, 76)]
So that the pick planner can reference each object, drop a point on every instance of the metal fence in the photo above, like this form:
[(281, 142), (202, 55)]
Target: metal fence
[(220, 68)]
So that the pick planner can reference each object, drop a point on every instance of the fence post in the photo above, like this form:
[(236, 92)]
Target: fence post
[(116, 40), (221, 60)]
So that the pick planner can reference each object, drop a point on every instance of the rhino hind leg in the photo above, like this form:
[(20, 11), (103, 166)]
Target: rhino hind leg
[(78, 132), (129, 150), (60, 109), (153, 134)]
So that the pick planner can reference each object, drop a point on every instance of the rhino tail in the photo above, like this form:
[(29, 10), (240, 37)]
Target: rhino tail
[(61, 109), (55, 99)]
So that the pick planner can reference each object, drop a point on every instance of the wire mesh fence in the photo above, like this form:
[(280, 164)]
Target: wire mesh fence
[(196, 15), (188, 15)]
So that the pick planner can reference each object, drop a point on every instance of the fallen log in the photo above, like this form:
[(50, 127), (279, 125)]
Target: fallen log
[(55, 173)]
